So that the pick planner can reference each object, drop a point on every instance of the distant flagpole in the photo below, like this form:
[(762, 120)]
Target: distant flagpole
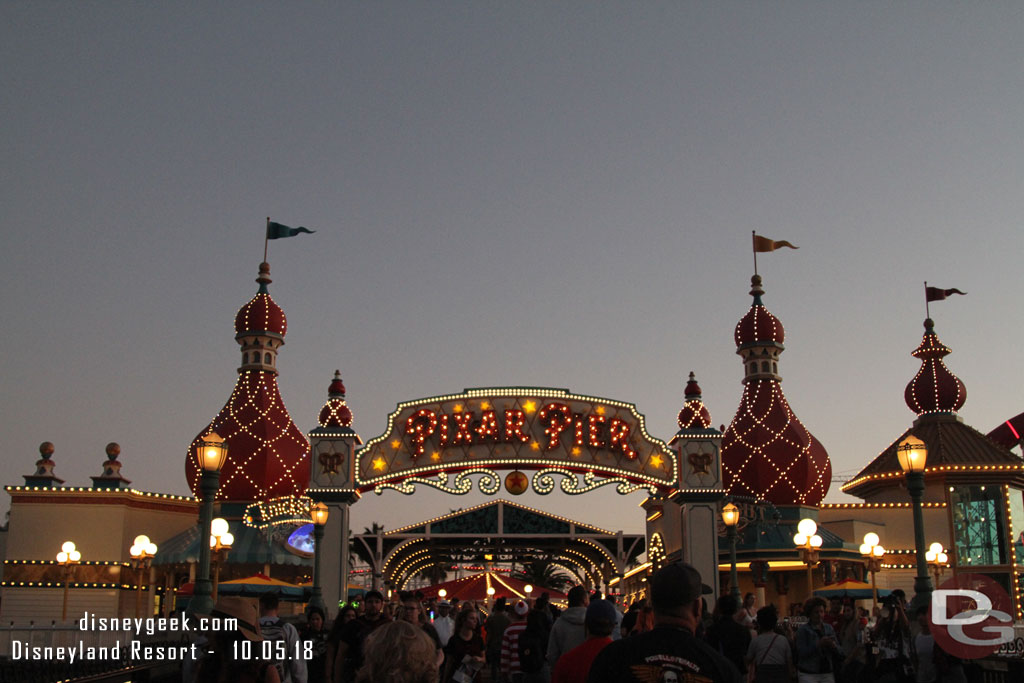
[(927, 310), (753, 245), (266, 239)]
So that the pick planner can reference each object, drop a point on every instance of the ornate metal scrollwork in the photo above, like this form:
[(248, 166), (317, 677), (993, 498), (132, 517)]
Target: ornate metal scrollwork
[(544, 483), (462, 484)]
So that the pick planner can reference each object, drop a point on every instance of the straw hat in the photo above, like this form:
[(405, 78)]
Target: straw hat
[(243, 611)]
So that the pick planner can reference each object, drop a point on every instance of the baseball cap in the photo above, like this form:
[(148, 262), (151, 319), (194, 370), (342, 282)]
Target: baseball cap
[(676, 585), (601, 610), (521, 608)]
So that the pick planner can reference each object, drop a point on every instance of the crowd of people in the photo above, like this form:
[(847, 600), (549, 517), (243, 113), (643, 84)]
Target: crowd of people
[(667, 639)]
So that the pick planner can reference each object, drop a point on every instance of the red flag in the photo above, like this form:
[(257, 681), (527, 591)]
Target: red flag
[(763, 244), (936, 294)]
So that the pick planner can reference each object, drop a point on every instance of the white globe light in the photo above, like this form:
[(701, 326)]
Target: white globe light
[(935, 548), (871, 538), (807, 526), (879, 551), (68, 546), (141, 540), (227, 539), (865, 549), (816, 541), (135, 551), (930, 556), (151, 549), (75, 556), (799, 539), (213, 540), (943, 558), (62, 557), (219, 526)]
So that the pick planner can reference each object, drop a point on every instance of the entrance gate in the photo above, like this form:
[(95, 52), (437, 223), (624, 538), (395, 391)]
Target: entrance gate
[(579, 443)]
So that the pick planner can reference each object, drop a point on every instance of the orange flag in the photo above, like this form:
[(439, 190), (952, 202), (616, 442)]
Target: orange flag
[(763, 244)]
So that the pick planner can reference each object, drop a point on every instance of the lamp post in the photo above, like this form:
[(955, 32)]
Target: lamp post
[(872, 553), (212, 452), (731, 518), (319, 514), (809, 542), (221, 540), (142, 552), (912, 455), (68, 557), (937, 560), (528, 589)]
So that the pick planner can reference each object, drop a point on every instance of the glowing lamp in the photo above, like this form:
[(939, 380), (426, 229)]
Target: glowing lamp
[(879, 551), (865, 549), (730, 515), (935, 548), (871, 538), (816, 541), (528, 589), (442, 593), (319, 514), (212, 452), (807, 526), (219, 526), (490, 591), (912, 454), (799, 539)]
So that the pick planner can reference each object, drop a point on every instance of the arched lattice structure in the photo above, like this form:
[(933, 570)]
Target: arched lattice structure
[(498, 532)]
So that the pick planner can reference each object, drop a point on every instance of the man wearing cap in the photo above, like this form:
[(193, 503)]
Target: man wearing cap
[(574, 665), (349, 656), (510, 667), (443, 624), (670, 651)]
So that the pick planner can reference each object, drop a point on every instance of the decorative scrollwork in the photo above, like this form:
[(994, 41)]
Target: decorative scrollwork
[(544, 483), (462, 484)]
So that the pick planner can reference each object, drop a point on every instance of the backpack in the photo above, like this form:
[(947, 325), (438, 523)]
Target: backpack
[(277, 630), (531, 652)]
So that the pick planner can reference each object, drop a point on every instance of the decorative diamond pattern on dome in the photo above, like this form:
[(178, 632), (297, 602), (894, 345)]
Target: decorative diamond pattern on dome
[(694, 415), (759, 325), (934, 388), (335, 413), (261, 314), (769, 454), (268, 456)]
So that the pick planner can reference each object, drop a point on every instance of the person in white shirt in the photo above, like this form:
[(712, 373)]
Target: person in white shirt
[(444, 624)]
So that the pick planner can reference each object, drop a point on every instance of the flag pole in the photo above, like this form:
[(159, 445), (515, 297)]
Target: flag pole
[(266, 240), (927, 311), (753, 245)]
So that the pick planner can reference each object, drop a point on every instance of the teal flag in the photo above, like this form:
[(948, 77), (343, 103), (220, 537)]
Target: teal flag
[(277, 231)]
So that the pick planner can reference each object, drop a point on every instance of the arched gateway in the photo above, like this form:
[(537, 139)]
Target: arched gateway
[(540, 437)]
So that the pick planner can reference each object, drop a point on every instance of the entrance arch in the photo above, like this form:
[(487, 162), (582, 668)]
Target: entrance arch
[(541, 437)]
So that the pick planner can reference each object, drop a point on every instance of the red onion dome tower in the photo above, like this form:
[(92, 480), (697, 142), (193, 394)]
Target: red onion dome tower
[(934, 389), (335, 412), (694, 414), (767, 453), (268, 456)]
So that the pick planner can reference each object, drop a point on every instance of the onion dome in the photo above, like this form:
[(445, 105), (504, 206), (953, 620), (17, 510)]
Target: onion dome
[(268, 456), (335, 412), (261, 314), (693, 415), (934, 389), (767, 453), (758, 325)]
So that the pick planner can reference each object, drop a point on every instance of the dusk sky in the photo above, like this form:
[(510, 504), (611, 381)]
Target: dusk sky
[(527, 193)]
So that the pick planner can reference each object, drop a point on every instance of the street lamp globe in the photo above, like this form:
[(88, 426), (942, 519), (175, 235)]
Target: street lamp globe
[(912, 454)]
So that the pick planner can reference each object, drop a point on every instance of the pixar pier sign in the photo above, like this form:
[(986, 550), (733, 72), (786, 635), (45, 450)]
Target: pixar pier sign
[(514, 428)]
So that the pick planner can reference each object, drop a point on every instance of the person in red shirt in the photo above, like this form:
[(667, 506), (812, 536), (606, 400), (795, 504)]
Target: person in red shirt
[(574, 665)]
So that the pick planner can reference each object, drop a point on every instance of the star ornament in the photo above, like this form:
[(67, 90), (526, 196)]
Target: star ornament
[(378, 464), (656, 460)]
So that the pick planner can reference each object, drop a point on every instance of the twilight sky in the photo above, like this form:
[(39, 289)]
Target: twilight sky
[(528, 193)]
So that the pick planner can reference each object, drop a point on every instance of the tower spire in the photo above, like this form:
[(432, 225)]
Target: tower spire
[(934, 389)]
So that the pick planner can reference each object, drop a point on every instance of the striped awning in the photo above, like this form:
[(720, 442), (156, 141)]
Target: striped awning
[(251, 546)]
